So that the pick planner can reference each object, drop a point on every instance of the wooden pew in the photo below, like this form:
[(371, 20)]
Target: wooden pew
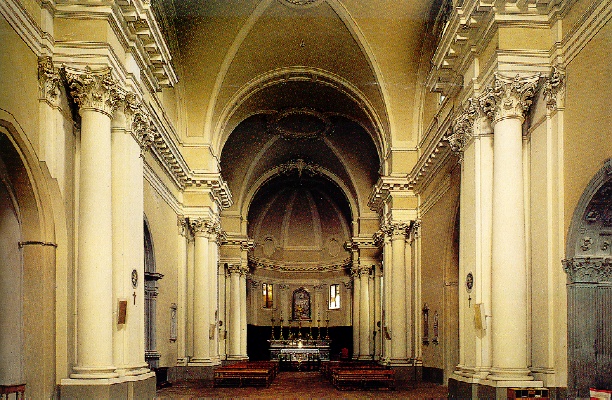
[(363, 378), (248, 373)]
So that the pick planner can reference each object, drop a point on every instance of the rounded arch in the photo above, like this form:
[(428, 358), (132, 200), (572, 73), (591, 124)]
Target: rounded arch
[(354, 30), (246, 200), (603, 176), (45, 256), (300, 73)]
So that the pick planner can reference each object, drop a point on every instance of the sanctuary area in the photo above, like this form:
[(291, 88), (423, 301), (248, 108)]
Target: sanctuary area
[(420, 186)]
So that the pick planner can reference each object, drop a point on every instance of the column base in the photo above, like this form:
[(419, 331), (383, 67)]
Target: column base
[(510, 375), (365, 357), (463, 387), (127, 387), (201, 362), (107, 372), (237, 357), (191, 373)]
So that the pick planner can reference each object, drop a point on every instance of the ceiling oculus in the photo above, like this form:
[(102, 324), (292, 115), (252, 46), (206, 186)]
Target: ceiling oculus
[(300, 123)]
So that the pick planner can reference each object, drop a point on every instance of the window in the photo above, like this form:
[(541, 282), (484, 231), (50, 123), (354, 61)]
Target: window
[(334, 296), (267, 295)]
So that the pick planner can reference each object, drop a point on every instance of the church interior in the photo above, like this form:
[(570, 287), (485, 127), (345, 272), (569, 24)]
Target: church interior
[(422, 185)]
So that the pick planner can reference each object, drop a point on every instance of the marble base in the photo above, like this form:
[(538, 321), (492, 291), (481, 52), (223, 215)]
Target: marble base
[(127, 387)]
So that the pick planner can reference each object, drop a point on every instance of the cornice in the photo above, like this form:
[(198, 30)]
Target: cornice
[(265, 264), (136, 28), (472, 25), (41, 43), (385, 187)]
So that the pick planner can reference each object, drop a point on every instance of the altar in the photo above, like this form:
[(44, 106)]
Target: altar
[(299, 349)]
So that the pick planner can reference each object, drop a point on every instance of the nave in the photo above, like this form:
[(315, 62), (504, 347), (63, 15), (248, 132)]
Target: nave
[(297, 384)]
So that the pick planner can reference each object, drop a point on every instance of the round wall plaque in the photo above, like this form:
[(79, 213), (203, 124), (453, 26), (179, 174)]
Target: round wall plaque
[(134, 278), (469, 281)]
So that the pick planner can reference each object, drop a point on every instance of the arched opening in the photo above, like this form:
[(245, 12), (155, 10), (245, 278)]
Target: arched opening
[(589, 289), (152, 356), (11, 285)]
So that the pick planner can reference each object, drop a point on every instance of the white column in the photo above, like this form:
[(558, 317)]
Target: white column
[(377, 299), (201, 314), (399, 294), (356, 305), (213, 263), (387, 317), (234, 312), (364, 313), (506, 103), (181, 317), (243, 311), (130, 133), (96, 94)]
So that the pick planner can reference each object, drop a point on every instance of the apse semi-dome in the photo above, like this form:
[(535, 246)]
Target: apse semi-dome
[(298, 224)]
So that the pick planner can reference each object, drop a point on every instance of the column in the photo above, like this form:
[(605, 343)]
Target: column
[(505, 104), (131, 135), (201, 314), (181, 331), (234, 312), (386, 317), (399, 294), (243, 311), (364, 313), (245, 247), (377, 300), (95, 92), (356, 306), (213, 253)]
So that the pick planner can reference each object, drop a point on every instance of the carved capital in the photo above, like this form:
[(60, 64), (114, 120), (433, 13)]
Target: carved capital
[(395, 229), (234, 268), (48, 79), (181, 223), (463, 126), (365, 270), (508, 97), (96, 90), (198, 226), (554, 89), (588, 269)]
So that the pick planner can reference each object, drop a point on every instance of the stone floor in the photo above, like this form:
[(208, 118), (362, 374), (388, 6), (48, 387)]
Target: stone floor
[(298, 385)]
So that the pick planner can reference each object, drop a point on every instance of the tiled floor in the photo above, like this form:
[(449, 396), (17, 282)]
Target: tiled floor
[(298, 385)]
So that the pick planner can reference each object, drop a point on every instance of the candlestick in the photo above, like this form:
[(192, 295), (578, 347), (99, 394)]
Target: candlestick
[(318, 329), (272, 335)]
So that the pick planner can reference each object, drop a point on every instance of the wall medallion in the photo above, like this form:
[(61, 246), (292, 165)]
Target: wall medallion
[(469, 282), (134, 278)]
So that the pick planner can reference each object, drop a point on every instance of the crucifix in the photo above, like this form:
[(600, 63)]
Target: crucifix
[(134, 295)]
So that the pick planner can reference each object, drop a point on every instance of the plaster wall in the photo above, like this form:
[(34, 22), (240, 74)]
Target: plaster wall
[(164, 231)]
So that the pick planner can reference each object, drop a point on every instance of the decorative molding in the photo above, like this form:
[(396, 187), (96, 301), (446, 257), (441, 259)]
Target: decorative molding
[(91, 89), (508, 97), (49, 80), (383, 189), (463, 126), (300, 166), (554, 89), (588, 269), (265, 264), (276, 124)]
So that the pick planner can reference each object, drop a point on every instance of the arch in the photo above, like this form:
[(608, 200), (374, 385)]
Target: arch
[(588, 266), (45, 256), (247, 199), (302, 73), (151, 277), (354, 30)]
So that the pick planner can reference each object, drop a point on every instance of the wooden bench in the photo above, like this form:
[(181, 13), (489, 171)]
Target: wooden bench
[(239, 377), (329, 368), (272, 365), (363, 378)]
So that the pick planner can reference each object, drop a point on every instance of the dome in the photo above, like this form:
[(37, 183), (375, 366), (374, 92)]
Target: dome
[(299, 221)]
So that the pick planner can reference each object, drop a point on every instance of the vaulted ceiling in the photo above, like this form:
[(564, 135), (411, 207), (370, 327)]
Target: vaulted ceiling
[(332, 84)]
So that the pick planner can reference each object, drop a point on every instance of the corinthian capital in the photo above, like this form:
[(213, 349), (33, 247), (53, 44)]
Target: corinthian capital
[(395, 229), (509, 97), (91, 89), (463, 126), (198, 226), (48, 79), (554, 89)]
